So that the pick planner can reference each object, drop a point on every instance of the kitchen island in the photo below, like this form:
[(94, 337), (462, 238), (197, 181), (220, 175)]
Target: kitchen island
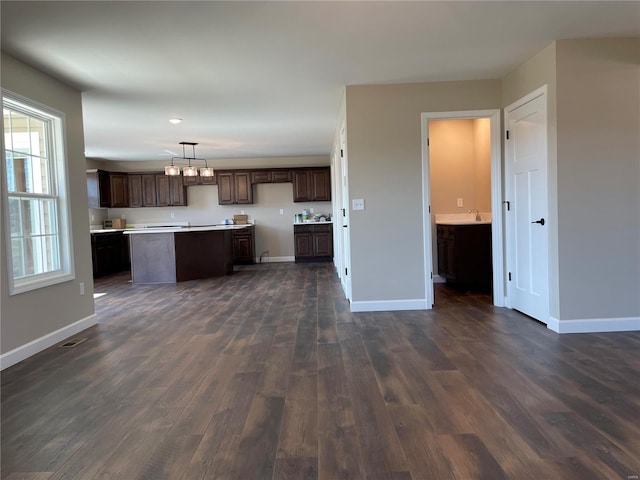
[(174, 254)]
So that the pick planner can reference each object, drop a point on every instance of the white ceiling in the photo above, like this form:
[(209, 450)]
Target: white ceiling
[(264, 79)]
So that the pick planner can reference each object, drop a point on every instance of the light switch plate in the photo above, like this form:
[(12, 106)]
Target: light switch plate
[(357, 204)]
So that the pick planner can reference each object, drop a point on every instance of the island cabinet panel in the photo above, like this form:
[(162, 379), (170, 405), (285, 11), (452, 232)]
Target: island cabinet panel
[(153, 258), (464, 256), (312, 185), (169, 257), (234, 187), (313, 242), (203, 255), (244, 246)]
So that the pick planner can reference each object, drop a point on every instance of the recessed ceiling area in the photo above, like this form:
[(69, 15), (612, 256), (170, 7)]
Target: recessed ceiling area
[(266, 79)]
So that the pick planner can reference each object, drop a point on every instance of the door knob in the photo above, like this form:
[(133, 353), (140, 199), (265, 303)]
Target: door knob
[(541, 221)]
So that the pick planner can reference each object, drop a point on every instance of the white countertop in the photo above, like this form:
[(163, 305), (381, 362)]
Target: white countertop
[(106, 230), (311, 222), (463, 218), (463, 222), (202, 228)]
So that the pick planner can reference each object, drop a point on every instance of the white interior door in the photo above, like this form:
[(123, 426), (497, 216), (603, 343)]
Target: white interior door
[(342, 222), (527, 214)]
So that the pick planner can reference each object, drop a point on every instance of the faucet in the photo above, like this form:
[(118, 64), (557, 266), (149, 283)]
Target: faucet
[(478, 217)]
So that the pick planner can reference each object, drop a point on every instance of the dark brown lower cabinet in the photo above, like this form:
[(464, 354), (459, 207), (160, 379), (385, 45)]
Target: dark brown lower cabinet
[(109, 252), (244, 246), (313, 243), (464, 256)]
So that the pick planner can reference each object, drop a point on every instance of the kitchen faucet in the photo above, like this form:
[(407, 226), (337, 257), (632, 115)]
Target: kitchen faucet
[(478, 217)]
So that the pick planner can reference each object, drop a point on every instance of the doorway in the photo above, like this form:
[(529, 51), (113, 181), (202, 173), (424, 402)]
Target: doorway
[(472, 121)]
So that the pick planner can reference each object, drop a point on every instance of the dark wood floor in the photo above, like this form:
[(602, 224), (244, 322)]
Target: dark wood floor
[(266, 374)]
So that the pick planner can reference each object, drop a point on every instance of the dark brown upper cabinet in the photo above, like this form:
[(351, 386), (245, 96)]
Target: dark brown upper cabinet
[(234, 187), (170, 191), (312, 185), (107, 189)]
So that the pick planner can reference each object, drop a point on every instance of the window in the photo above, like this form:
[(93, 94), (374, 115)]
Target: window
[(35, 195)]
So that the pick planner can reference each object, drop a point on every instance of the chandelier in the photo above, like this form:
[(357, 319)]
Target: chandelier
[(189, 170)]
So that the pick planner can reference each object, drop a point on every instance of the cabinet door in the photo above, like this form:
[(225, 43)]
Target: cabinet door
[(301, 187), (242, 249), (303, 244), (187, 181), (321, 185), (261, 176), (243, 189), (135, 190), (207, 180), (226, 194), (281, 176), (177, 192), (149, 195), (163, 194), (119, 190), (104, 188), (323, 244)]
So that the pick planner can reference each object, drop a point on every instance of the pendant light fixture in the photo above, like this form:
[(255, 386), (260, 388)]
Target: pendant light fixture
[(189, 170)]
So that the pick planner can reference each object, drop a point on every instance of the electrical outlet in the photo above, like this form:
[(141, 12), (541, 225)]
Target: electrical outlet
[(173, 215), (81, 288), (460, 203), (123, 216), (311, 210), (282, 211), (241, 212), (93, 218)]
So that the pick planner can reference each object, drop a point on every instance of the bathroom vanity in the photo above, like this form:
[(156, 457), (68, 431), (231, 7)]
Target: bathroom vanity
[(464, 254)]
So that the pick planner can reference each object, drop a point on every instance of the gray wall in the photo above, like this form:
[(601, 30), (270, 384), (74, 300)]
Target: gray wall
[(594, 173), (31, 315), (598, 113), (385, 168)]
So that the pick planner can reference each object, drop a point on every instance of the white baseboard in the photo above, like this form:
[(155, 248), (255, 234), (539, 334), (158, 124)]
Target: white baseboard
[(39, 344), (389, 305), (594, 325), (439, 279), (275, 259)]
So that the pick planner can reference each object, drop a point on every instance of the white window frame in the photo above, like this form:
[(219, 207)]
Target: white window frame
[(59, 185)]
